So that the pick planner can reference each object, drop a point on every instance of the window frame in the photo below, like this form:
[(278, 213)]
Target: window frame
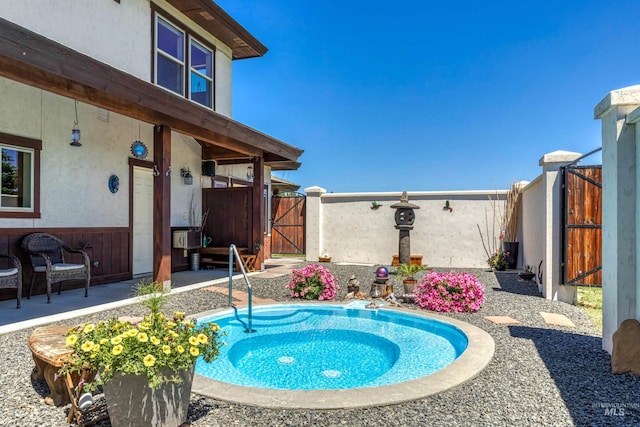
[(158, 51), (35, 147), (190, 37)]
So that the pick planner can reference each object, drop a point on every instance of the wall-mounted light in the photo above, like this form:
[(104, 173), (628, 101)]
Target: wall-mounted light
[(249, 173), (187, 178), (75, 132)]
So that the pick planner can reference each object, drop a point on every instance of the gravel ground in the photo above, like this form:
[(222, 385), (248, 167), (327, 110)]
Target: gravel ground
[(540, 374)]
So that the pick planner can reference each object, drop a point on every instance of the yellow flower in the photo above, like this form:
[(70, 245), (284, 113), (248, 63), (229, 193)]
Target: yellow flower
[(71, 340), (132, 332), (87, 346), (173, 334), (88, 328), (149, 360), (95, 348), (116, 340), (155, 340), (194, 351), (171, 324), (103, 341), (215, 327), (142, 337), (166, 349), (193, 341), (202, 339), (180, 349), (117, 349)]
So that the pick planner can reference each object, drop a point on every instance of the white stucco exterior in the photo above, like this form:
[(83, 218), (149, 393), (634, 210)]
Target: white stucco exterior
[(74, 188), (118, 34), (532, 221), (620, 197), (347, 228)]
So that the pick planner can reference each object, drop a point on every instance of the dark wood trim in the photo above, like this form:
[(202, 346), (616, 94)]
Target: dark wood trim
[(36, 146), (257, 214), (20, 141), (219, 24), (140, 163), (60, 230), (162, 205), (32, 59)]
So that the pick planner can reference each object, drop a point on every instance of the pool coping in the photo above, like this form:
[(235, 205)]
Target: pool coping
[(474, 359)]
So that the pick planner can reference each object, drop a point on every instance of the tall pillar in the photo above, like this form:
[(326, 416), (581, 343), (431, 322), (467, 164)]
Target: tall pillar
[(619, 201), (551, 280), (162, 206), (313, 223)]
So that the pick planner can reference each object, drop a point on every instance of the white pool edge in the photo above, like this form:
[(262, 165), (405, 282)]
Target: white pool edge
[(473, 360)]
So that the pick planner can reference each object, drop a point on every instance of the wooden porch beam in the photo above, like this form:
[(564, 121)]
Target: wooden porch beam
[(258, 210), (36, 61), (162, 207)]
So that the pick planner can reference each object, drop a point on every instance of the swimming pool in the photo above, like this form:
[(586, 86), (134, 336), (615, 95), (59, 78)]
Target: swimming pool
[(308, 355), (316, 347)]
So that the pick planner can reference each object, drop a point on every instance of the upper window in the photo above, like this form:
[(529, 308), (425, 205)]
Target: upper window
[(182, 64), (19, 192)]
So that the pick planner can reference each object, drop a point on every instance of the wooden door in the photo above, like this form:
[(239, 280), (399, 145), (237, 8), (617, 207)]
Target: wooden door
[(582, 225), (288, 226), (142, 221)]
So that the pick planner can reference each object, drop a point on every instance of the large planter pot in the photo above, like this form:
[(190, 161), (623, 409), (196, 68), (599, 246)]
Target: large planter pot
[(409, 286), (131, 402), (512, 258)]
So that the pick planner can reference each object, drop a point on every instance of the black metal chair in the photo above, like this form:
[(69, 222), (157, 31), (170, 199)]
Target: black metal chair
[(47, 256), (11, 277)]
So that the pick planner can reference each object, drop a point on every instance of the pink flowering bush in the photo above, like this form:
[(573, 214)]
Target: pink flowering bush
[(313, 282), (452, 291)]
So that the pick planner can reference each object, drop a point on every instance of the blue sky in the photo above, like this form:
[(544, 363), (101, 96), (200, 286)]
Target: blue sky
[(429, 96)]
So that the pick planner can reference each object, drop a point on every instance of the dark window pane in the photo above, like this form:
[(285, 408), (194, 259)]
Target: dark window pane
[(201, 90), (16, 179), (169, 74), (201, 59), (170, 40)]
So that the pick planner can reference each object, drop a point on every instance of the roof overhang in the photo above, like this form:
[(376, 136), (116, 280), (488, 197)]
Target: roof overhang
[(218, 23), (36, 61)]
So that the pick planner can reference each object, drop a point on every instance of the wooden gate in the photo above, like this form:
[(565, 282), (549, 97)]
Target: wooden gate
[(582, 225), (288, 226)]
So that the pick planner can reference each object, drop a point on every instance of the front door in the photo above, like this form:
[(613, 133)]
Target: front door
[(142, 221)]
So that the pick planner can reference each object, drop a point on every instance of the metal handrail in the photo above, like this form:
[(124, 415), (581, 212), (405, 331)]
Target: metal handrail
[(234, 251)]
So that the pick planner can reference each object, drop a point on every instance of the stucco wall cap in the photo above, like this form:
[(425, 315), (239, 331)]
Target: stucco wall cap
[(558, 156), (314, 191), (626, 96), (634, 116)]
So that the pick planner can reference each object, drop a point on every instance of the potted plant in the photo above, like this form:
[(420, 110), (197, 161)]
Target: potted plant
[(499, 260), (146, 367), (528, 273), (407, 273), (509, 226)]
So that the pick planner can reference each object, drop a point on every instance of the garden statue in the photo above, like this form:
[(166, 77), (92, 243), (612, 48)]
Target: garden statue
[(353, 285), (404, 222)]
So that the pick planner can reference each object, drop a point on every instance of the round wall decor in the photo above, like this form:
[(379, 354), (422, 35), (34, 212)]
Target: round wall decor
[(139, 150), (114, 183)]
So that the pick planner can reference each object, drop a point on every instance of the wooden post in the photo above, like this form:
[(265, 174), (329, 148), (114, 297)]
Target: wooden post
[(257, 234), (162, 206)]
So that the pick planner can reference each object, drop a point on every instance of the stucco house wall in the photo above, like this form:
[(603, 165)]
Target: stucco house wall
[(90, 30), (351, 231), (532, 222)]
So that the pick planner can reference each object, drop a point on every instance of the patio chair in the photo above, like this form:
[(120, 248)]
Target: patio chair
[(11, 277), (47, 256)]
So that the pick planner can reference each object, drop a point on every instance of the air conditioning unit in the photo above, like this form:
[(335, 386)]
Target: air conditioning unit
[(186, 239)]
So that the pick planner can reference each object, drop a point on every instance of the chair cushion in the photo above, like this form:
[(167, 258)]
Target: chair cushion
[(9, 272), (66, 267)]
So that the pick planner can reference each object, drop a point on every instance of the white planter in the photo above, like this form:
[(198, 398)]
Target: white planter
[(132, 403)]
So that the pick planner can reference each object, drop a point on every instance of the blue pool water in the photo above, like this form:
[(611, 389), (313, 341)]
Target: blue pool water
[(320, 347)]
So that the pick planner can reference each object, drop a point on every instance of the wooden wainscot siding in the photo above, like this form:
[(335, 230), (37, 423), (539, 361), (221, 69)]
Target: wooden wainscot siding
[(108, 250)]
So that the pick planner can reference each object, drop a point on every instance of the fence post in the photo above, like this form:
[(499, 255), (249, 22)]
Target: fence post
[(313, 223), (551, 280), (620, 293)]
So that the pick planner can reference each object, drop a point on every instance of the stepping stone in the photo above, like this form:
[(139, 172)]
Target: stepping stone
[(501, 320), (557, 319)]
